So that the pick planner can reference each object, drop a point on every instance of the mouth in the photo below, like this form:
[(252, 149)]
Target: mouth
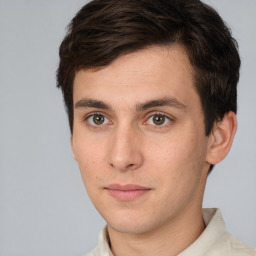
[(127, 192)]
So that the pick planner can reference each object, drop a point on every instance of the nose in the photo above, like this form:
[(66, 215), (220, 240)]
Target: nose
[(125, 150)]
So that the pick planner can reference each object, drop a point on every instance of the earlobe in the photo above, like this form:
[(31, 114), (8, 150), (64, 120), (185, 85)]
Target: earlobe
[(221, 138)]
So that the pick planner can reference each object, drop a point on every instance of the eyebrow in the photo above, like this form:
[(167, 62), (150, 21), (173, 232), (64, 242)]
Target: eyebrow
[(166, 101), (90, 103)]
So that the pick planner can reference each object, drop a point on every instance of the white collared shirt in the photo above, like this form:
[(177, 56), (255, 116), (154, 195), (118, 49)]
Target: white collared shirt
[(214, 241)]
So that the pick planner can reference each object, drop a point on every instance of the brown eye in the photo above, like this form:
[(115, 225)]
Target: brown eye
[(98, 119), (159, 119)]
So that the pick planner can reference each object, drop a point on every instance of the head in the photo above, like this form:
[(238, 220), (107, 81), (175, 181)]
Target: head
[(139, 65), (104, 30)]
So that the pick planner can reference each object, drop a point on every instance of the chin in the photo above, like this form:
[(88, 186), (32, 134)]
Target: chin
[(131, 228), (131, 225)]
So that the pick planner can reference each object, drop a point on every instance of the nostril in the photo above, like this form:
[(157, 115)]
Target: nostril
[(124, 167)]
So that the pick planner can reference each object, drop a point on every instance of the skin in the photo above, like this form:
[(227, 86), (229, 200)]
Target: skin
[(140, 121)]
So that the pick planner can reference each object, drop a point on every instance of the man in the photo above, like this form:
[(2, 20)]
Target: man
[(150, 91)]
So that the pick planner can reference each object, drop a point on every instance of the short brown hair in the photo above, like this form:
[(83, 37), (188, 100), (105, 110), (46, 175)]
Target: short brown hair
[(104, 30)]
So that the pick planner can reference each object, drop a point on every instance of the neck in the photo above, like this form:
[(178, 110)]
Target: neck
[(168, 240)]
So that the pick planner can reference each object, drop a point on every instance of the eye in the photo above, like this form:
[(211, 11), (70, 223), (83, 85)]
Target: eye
[(97, 120), (158, 120)]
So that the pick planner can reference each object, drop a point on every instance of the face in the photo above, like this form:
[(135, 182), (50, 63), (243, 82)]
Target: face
[(139, 139)]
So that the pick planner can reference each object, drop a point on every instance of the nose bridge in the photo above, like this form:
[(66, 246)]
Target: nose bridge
[(125, 152)]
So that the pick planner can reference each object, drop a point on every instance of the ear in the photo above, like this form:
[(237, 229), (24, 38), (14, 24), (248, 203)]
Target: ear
[(73, 147), (221, 138)]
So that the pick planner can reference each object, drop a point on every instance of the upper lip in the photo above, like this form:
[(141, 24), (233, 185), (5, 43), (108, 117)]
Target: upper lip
[(127, 187)]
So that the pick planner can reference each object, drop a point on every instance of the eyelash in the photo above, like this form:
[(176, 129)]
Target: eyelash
[(170, 120), (94, 126), (101, 126)]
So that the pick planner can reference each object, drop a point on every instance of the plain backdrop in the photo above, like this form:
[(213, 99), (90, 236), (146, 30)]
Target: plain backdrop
[(44, 208)]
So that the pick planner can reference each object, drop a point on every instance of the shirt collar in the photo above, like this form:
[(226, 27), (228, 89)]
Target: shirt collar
[(215, 229)]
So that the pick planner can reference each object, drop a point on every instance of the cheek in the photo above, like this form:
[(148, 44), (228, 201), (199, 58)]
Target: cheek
[(90, 159), (178, 161), (173, 152)]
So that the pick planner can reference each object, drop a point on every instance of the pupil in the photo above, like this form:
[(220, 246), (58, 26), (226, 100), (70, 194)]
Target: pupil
[(98, 119), (159, 119)]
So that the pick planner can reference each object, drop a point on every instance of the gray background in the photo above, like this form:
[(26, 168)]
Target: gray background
[(44, 208)]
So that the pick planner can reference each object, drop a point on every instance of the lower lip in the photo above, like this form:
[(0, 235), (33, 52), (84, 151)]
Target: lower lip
[(127, 195)]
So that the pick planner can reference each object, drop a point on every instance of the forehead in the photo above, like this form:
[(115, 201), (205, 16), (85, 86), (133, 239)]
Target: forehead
[(142, 75)]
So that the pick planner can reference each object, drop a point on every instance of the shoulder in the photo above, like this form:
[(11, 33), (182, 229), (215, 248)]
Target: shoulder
[(102, 248), (94, 252), (215, 240), (236, 247), (98, 251), (224, 242)]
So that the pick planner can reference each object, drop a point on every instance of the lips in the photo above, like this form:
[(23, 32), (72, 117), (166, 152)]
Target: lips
[(127, 192)]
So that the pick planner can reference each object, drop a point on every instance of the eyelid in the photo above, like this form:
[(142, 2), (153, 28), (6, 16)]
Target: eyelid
[(88, 115), (151, 114), (148, 116)]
